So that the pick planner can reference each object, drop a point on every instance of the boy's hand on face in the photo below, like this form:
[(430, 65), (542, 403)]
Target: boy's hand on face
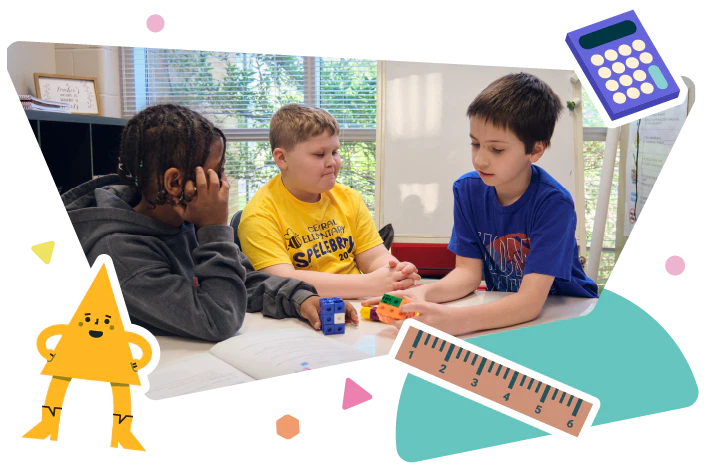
[(310, 307), (208, 205)]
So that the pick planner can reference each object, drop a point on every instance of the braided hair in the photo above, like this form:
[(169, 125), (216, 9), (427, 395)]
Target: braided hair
[(162, 137)]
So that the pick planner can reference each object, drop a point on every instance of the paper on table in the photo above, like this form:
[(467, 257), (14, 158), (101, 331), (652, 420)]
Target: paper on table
[(275, 353), (193, 374)]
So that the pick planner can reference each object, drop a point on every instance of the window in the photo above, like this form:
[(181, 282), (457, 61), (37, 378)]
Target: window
[(594, 133), (239, 92)]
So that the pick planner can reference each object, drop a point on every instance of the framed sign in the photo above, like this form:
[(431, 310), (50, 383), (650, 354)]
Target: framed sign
[(81, 93)]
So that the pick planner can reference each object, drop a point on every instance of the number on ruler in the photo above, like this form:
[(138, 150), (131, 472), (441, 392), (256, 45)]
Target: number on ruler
[(475, 382), (441, 370), (411, 354), (507, 396), (570, 423), (539, 408)]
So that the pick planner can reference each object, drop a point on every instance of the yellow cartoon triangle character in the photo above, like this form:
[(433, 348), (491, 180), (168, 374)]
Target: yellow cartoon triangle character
[(93, 346)]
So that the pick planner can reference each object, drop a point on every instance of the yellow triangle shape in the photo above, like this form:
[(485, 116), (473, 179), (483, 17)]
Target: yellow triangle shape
[(94, 345), (44, 251)]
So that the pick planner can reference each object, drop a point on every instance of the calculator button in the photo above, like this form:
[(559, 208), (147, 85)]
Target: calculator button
[(619, 98), (597, 60), (625, 80), (647, 88), (604, 72), (633, 93), (658, 77), (645, 57), (640, 75), (625, 50), (612, 85), (611, 54), (632, 62), (618, 67), (638, 45)]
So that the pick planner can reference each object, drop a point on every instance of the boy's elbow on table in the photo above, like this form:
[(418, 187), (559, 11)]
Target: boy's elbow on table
[(226, 329)]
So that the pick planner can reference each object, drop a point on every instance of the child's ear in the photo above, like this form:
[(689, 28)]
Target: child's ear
[(279, 155), (537, 153), (173, 182)]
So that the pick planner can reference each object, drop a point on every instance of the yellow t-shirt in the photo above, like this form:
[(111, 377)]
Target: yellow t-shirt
[(277, 228)]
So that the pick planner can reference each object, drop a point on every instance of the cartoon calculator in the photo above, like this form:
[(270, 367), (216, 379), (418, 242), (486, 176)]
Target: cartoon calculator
[(622, 65)]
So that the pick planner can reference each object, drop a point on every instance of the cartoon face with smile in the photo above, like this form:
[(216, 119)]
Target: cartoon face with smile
[(105, 355), (97, 330)]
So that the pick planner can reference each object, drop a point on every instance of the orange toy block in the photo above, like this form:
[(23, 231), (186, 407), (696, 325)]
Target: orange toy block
[(388, 309)]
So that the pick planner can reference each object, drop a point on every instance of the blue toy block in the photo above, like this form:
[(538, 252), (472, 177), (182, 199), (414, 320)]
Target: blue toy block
[(327, 308), (337, 329)]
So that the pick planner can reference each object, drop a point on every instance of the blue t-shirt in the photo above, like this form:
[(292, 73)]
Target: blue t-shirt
[(535, 234)]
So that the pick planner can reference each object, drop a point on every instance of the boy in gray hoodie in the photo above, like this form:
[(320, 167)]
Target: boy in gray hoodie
[(163, 221)]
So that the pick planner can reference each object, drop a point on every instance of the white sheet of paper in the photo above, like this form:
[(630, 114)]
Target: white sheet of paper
[(193, 374), (278, 352)]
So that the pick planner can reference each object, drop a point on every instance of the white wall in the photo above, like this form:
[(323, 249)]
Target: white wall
[(100, 62), (425, 145), (25, 59)]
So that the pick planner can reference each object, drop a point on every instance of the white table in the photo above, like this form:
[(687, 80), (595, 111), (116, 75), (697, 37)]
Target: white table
[(376, 338)]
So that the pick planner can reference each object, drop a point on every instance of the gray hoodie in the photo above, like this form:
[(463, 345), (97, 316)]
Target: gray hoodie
[(176, 280)]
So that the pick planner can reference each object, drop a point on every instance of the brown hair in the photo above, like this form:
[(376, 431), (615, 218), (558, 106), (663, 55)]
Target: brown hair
[(296, 123), (521, 103)]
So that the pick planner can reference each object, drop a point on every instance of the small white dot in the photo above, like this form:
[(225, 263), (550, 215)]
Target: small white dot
[(632, 63), (618, 67), (647, 88), (625, 50), (633, 93), (611, 54), (625, 80), (640, 75), (645, 57), (612, 85), (619, 98), (604, 72), (597, 60), (638, 45)]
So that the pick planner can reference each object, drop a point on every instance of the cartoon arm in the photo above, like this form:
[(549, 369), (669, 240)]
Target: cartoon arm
[(145, 347), (45, 335)]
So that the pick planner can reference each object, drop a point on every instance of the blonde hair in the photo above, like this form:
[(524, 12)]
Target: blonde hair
[(296, 123)]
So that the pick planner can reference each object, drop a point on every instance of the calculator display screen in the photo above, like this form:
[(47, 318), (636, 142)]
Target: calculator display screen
[(607, 34)]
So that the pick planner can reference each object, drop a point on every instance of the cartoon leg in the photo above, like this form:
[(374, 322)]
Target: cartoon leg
[(121, 431), (51, 411)]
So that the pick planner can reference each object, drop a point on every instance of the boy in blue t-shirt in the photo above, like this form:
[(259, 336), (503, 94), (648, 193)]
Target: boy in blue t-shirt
[(512, 221)]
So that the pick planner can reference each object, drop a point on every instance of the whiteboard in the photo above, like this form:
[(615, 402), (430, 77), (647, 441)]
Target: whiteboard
[(425, 143)]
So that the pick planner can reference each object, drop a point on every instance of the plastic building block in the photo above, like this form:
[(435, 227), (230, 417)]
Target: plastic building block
[(389, 309), (374, 314), (332, 313), (369, 313), (333, 329)]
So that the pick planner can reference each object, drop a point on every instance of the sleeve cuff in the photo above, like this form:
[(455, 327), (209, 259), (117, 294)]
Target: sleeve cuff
[(216, 233), (298, 298)]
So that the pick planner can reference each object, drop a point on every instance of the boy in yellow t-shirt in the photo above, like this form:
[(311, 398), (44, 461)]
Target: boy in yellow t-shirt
[(303, 224)]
